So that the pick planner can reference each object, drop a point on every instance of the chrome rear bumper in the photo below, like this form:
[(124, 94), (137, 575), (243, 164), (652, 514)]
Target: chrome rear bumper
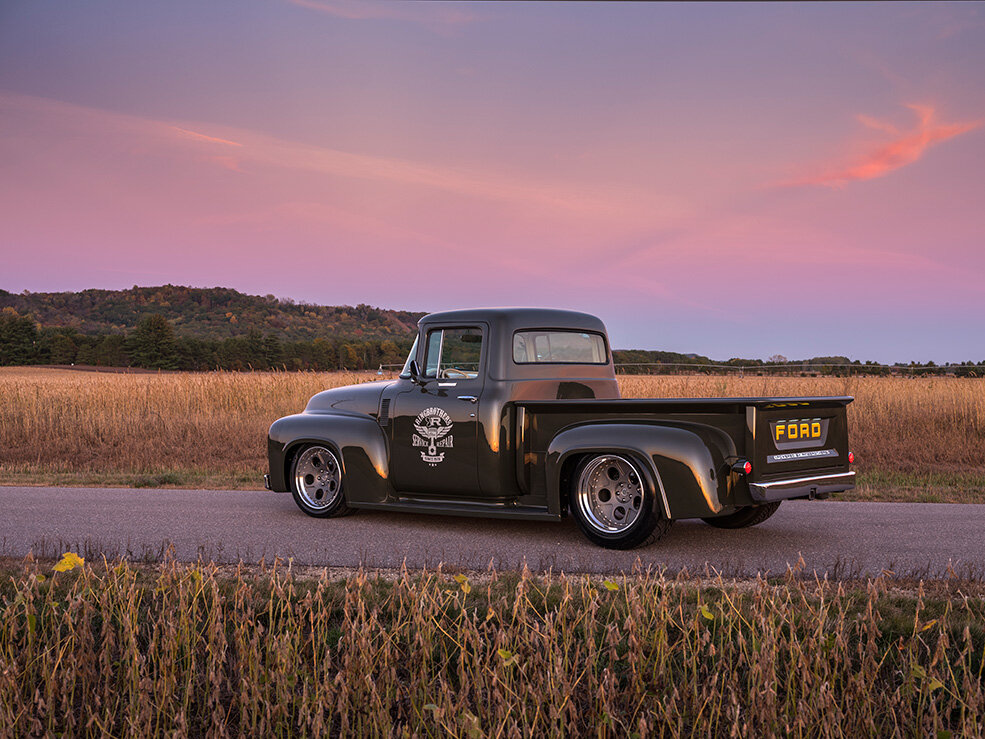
[(801, 487)]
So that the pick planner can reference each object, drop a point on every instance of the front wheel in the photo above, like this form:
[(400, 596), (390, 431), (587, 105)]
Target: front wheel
[(614, 506), (744, 517), (316, 482)]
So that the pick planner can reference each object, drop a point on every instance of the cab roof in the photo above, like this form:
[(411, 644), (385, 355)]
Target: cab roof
[(516, 318), (502, 322)]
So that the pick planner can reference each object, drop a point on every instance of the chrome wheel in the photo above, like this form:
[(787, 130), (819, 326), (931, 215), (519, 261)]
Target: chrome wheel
[(609, 494), (317, 478)]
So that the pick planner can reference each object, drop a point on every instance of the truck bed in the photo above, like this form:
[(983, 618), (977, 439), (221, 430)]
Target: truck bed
[(748, 423)]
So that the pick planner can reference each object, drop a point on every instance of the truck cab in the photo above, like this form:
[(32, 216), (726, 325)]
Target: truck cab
[(464, 374), (516, 412)]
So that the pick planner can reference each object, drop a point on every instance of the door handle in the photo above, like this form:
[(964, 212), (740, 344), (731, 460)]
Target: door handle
[(470, 398)]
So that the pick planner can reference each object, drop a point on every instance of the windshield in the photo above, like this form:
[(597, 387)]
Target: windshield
[(405, 372)]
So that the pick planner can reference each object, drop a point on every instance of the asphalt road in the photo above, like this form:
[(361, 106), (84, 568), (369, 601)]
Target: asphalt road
[(836, 538)]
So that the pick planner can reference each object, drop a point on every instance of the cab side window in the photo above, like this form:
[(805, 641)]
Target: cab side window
[(453, 353)]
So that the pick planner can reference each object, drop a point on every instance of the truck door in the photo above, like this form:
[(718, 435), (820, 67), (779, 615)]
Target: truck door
[(433, 448)]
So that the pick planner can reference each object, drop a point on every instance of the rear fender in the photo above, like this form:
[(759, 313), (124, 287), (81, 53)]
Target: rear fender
[(686, 464), (357, 439)]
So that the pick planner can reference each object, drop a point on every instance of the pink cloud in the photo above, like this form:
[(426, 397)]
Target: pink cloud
[(524, 189), (904, 147), (230, 163), (203, 137), (234, 149), (281, 215), (223, 160)]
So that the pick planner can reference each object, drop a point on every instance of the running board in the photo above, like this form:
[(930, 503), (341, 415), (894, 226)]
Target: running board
[(454, 508)]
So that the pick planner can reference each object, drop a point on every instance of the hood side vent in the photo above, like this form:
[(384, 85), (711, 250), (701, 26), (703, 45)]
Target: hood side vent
[(385, 412)]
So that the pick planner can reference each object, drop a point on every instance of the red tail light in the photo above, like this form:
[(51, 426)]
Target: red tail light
[(851, 457), (743, 467)]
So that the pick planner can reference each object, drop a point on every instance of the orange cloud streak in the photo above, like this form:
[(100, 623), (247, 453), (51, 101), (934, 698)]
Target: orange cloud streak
[(905, 148)]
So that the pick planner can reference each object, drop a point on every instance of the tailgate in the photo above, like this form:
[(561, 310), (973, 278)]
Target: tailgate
[(797, 437)]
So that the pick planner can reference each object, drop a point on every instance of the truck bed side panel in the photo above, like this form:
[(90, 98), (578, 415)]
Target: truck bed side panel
[(730, 429), (684, 463)]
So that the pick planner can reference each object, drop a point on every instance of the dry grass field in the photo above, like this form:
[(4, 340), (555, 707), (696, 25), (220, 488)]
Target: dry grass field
[(183, 650), (916, 439)]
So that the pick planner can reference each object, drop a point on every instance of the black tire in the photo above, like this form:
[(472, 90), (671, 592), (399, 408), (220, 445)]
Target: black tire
[(316, 482), (623, 517), (744, 517)]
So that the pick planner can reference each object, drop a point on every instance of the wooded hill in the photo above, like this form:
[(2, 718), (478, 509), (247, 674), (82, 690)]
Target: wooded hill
[(208, 313), (183, 328)]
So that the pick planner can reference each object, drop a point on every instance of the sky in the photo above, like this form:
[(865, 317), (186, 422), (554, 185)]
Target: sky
[(730, 180)]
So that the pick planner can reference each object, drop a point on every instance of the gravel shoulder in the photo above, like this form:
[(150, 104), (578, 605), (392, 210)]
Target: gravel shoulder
[(837, 539)]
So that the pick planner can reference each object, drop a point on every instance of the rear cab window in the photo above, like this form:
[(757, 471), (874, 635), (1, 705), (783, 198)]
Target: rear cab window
[(559, 347)]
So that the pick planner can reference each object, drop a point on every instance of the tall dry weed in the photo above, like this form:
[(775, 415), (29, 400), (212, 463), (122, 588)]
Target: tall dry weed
[(188, 651)]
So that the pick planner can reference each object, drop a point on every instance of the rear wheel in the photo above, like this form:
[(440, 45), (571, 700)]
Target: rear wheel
[(748, 516), (316, 482), (613, 504)]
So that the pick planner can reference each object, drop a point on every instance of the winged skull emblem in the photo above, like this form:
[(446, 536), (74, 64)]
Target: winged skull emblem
[(432, 426)]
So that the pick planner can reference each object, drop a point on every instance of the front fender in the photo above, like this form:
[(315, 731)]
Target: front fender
[(687, 463), (358, 440)]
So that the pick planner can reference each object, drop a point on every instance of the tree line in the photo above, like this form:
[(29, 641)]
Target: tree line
[(154, 344), (666, 363)]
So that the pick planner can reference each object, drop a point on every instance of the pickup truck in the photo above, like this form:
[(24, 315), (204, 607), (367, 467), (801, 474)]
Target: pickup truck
[(516, 413)]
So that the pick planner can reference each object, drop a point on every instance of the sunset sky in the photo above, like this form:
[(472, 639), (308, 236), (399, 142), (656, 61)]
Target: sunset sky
[(732, 180)]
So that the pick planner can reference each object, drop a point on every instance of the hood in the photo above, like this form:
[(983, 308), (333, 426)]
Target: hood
[(364, 398)]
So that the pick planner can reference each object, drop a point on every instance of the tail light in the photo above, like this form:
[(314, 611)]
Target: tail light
[(743, 467), (851, 458)]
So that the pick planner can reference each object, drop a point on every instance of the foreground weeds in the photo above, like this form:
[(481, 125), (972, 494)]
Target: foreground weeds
[(192, 650)]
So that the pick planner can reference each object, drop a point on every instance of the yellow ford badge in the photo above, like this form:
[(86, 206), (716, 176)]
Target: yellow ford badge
[(799, 433), (793, 430)]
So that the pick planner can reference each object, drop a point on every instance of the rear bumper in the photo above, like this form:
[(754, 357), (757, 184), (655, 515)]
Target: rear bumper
[(801, 487)]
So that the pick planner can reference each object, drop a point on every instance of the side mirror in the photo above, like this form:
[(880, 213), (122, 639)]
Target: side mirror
[(415, 373)]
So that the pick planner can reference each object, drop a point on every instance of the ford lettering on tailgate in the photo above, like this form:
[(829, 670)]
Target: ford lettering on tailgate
[(795, 434)]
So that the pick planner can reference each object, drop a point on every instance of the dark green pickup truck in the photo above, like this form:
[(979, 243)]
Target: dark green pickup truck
[(515, 412)]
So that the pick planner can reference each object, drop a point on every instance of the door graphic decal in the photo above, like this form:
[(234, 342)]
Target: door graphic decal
[(433, 426)]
